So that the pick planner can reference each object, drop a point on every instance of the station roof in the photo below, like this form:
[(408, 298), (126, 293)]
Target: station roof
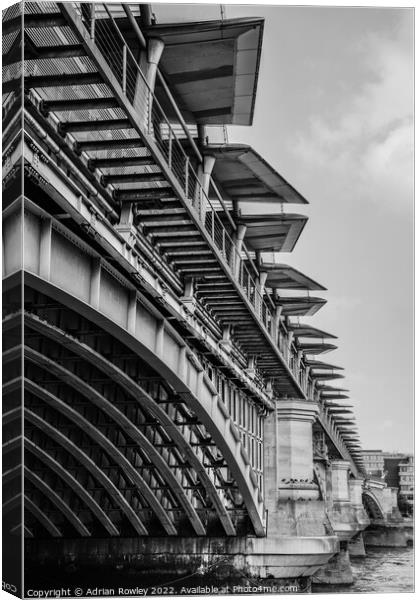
[(212, 68), (329, 388), (346, 431), (272, 233), (316, 347), (248, 178), (280, 276), (326, 376), (304, 330), (299, 306), (318, 364)]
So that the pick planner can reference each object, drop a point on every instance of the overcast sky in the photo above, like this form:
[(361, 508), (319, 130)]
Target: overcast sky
[(334, 115)]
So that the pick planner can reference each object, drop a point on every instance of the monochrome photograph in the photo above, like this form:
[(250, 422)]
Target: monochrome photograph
[(208, 299)]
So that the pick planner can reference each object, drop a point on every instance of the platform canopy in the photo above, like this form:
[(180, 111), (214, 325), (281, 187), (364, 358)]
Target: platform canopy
[(304, 330), (316, 348), (326, 376), (247, 178), (318, 364), (345, 429), (212, 68), (330, 388), (295, 306), (272, 233), (280, 276)]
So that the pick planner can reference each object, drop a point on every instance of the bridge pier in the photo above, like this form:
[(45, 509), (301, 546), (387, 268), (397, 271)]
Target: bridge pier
[(387, 534), (387, 527), (347, 518), (357, 545)]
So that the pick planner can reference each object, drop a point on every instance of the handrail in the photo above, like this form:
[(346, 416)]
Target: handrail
[(179, 162), (154, 100), (174, 105)]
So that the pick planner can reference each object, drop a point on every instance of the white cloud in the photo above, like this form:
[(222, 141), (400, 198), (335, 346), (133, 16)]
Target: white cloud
[(368, 148)]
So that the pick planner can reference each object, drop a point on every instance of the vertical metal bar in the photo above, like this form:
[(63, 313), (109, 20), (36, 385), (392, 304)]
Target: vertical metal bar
[(149, 111), (170, 148), (187, 165), (92, 20), (212, 226), (124, 69)]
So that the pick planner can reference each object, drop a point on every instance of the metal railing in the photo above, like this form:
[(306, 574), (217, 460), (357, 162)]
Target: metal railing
[(167, 136), (110, 41)]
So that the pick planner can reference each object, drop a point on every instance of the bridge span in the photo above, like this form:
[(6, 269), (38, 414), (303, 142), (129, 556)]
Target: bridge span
[(176, 413)]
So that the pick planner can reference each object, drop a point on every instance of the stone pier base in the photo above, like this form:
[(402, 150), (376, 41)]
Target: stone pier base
[(357, 546), (283, 564), (338, 570), (393, 535)]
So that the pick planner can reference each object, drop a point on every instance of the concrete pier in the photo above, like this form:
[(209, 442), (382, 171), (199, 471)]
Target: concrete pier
[(338, 570), (389, 534), (348, 519)]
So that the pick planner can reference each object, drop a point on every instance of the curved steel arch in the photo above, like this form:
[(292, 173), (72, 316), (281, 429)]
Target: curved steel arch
[(12, 444), (35, 510), (127, 426), (89, 465), (42, 517), (99, 438), (12, 353), (11, 503), (71, 481), (75, 486), (10, 474), (26, 531), (62, 506), (14, 413), (141, 396), (11, 385), (369, 496), (51, 495), (186, 377)]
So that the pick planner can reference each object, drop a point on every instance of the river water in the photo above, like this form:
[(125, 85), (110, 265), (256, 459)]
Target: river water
[(382, 570)]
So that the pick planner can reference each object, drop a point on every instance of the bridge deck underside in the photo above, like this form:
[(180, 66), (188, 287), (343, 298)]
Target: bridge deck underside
[(110, 448)]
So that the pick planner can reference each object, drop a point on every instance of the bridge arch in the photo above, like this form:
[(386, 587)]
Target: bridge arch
[(372, 505), (185, 375)]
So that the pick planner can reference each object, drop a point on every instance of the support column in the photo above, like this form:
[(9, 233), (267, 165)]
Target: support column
[(357, 545), (188, 299), (126, 224), (340, 480), (208, 164), (143, 99), (355, 492), (260, 289), (204, 172), (238, 238), (337, 571), (294, 449), (226, 341)]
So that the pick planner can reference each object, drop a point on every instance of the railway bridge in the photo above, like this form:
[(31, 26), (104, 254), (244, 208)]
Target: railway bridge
[(177, 416)]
